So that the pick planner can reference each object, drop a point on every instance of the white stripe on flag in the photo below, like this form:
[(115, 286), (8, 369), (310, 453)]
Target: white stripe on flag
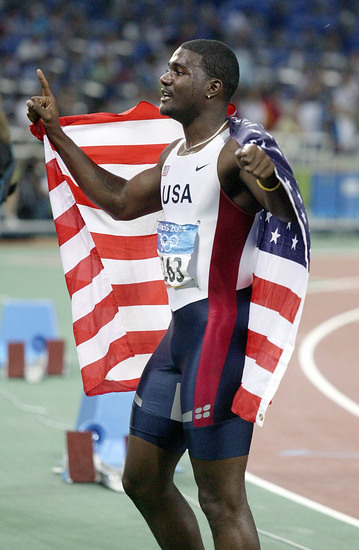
[(143, 318), (85, 299), (49, 152), (99, 221), (128, 271), (285, 272), (131, 132), (96, 348), (61, 199), (76, 249), (126, 171), (265, 321), (129, 369), (255, 379)]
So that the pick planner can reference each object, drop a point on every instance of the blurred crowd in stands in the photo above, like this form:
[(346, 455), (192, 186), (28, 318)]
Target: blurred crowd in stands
[(299, 59)]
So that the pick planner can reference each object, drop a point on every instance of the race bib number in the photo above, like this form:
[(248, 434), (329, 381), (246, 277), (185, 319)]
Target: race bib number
[(175, 245)]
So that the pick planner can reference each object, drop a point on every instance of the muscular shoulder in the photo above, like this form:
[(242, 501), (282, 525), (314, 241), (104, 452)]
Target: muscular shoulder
[(226, 161)]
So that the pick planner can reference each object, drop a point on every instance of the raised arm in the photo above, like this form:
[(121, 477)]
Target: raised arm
[(258, 173), (122, 199), (248, 176)]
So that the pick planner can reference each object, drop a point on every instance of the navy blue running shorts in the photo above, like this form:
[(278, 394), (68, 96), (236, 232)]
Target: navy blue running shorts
[(185, 394)]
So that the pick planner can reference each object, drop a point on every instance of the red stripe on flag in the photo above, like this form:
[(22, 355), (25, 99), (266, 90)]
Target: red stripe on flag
[(88, 326), (108, 386), (68, 224), (94, 373), (141, 294), (246, 404), (143, 111), (54, 175), (124, 154), (276, 297), (83, 273), (145, 341), (119, 247), (78, 195), (263, 351)]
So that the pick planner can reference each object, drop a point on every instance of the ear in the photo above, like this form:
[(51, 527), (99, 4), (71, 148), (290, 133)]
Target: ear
[(215, 87)]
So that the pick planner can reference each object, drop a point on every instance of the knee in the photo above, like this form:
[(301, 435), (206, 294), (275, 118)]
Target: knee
[(218, 508), (129, 484), (134, 486), (140, 486), (210, 505)]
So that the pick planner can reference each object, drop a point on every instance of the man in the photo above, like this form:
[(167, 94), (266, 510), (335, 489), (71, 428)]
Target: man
[(210, 191)]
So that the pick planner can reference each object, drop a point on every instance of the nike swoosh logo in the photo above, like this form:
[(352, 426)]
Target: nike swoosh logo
[(200, 167)]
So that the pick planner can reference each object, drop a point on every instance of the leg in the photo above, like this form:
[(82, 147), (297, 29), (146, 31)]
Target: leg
[(223, 499), (219, 441), (155, 445), (148, 480)]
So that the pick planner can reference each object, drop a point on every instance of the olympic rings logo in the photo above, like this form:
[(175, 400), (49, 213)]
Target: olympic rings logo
[(167, 243)]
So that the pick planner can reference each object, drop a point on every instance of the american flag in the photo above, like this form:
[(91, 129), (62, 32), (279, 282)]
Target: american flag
[(280, 280), (119, 302)]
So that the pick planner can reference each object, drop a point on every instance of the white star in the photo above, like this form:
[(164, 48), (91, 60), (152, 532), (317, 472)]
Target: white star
[(276, 149), (289, 225), (299, 197), (304, 216), (287, 182), (275, 236), (268, 217), (250, 124), (294, 243)]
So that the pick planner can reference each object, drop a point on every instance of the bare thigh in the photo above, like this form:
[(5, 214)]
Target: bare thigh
[(146, 461)]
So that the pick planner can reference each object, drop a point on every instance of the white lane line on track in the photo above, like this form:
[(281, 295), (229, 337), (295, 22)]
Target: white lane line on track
[(267, 485), (333, 285), (268, 534), (309, 367)]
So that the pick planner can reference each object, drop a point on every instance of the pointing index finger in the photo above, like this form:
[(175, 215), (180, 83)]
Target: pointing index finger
[(46, 90)]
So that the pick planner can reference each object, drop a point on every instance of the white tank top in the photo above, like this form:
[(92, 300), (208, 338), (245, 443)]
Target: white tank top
[(202, 230)]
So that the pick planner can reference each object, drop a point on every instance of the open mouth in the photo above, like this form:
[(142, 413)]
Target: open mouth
[(165, 94)]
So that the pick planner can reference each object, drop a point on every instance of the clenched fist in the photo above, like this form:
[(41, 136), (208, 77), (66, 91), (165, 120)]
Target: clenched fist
[(255, 161)]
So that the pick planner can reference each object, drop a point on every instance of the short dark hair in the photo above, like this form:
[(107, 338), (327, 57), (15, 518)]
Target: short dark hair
[(219, 61)]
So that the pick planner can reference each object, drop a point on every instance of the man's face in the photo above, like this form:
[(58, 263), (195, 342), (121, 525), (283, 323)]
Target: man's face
[(183, 86)]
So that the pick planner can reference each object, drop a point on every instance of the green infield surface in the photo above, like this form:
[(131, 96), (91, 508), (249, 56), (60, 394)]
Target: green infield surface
[(40, 511)]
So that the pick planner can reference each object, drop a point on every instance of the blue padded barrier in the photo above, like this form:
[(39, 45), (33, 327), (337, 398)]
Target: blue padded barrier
[(30, 321), (108, 417), (335, 195)]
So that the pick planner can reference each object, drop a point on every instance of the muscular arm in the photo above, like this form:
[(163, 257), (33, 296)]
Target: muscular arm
[(240, 168), (122, 199)]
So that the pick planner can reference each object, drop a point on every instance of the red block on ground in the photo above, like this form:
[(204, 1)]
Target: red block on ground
[(16, 360), (80, 457), (55, 359)]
